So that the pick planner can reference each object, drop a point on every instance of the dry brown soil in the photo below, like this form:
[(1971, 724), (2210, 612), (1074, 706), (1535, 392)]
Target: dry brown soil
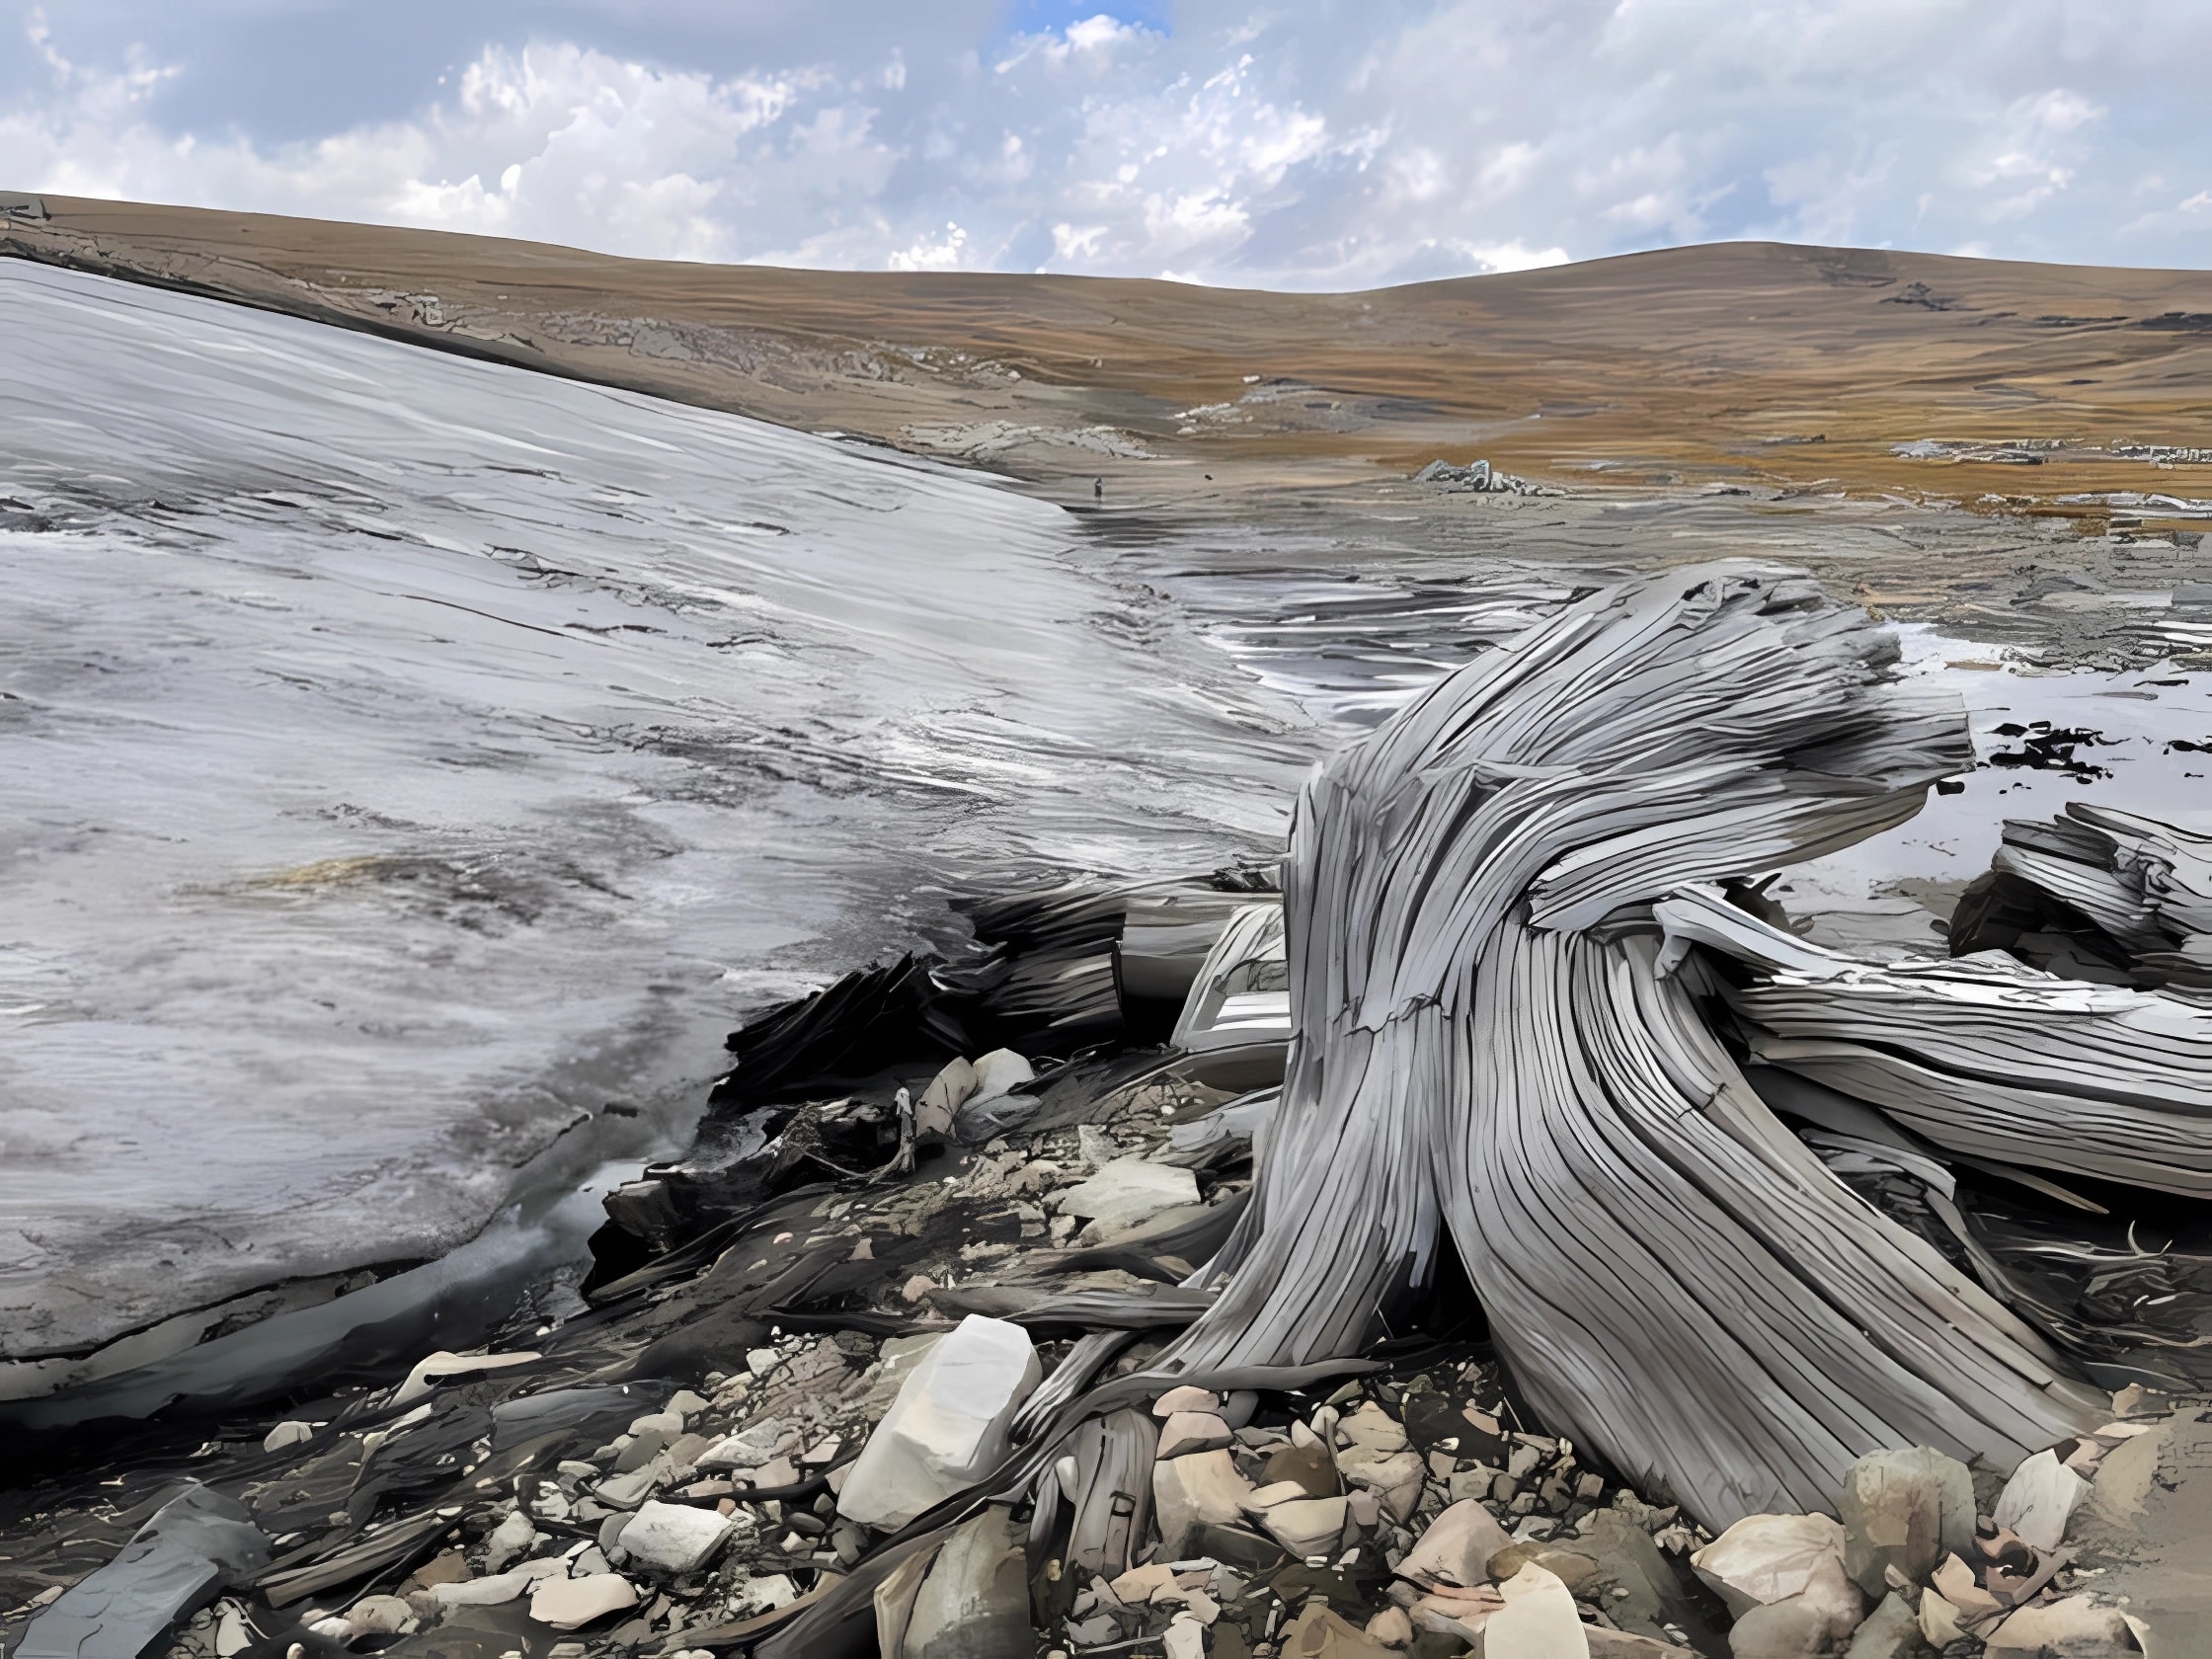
[(1755, 362)]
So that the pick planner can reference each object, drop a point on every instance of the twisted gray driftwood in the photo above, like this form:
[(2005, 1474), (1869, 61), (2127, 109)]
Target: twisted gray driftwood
[(1487, 1048)]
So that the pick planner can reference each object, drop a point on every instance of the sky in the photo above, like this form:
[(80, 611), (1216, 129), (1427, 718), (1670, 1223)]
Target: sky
[(1315, 145)]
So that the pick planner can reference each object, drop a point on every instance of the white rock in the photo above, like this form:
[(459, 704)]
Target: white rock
[(761, 1360), (749, 1448), (1184, 1638), (1187, 1491), (511, 1539), (2039, 1499), (565, 1602), (1128, 1191), (1457, 1547), (1767, 1558), (767, 1594), (1538, 1622), (675, 1538), (289, 1433), (948, 1427), (499, 1588), (998, 1072), (1186, 1432), (941, 1101)]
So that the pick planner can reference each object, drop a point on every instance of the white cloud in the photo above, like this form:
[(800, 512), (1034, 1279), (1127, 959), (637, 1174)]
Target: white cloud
[(1404, 140)]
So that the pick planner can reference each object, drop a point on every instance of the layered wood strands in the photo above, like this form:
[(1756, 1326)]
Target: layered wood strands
[(2100, 893), (1485, 1049)]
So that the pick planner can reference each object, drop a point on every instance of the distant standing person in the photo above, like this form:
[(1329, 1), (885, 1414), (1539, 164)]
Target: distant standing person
[(1098, 488)]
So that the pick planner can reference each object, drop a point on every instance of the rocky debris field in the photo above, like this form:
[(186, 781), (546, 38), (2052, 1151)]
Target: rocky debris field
[(897, 1360), (802, 1430)]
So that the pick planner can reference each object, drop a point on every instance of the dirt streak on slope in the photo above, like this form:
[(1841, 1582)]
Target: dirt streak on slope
[(2021, 385)]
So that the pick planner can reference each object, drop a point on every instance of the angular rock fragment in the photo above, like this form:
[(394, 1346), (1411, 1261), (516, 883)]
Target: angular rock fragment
[(675, 1538), (2038, 1500), (1905, 1509), (1127, 1191), (1457, 1547), (1320, 1633), (2074, 1628), (1305, 1526), (1765, 1558), (1186, 1432), (1953, 1580), (496, 1588), (947, 1092), (511, 1539), (749, 1448), (1538, 1621), (1189, 1491), (947, 1428), (191, 1546), (567, 1603)]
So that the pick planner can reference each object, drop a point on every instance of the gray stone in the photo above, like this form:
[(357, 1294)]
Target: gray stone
[(1890, 1632), (675, 1538), (510, 1540), (1903, 1509), (1127, 1191), (195, 1544), (973, 1601)]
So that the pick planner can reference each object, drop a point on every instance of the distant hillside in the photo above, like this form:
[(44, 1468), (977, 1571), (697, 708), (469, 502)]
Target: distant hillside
[(1740, 361)]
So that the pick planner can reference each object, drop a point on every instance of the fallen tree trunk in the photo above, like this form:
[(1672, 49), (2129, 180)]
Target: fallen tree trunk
[(1486, 1055)]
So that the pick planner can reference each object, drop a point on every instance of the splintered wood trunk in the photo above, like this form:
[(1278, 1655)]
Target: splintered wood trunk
[(1492, 1054)]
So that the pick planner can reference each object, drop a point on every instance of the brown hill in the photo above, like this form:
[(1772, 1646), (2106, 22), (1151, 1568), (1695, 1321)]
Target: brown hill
[(2020, 385)]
